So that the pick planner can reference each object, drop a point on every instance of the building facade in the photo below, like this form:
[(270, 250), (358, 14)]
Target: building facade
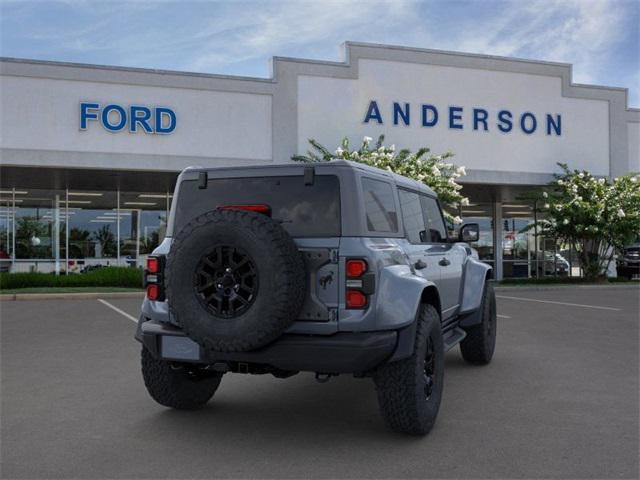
[(89, 154)]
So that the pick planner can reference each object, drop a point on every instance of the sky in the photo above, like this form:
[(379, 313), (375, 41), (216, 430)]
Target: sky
[(601, 38)]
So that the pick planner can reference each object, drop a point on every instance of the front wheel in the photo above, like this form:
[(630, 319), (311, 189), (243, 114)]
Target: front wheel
[(180, 386), (478, 346), (410, 390)]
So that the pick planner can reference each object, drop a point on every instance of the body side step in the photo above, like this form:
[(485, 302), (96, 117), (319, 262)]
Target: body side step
[(453, 337)]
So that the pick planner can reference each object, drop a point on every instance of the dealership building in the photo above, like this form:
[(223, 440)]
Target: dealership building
[(90, 154)]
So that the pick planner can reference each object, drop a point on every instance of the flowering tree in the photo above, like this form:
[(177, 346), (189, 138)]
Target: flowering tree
[(593, 215), (432, 170)]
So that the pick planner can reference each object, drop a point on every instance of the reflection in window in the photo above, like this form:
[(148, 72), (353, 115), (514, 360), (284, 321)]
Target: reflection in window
[(518, 239), (380, 206), (433, 219), (482, 214), (412, 217)]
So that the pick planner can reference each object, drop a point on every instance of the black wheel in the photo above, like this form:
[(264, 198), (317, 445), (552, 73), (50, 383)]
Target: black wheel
[(235, 280), (478, 346), (410, 390), (178, 385)]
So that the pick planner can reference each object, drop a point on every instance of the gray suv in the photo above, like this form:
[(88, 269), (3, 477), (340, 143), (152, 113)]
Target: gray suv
[(332, 268)]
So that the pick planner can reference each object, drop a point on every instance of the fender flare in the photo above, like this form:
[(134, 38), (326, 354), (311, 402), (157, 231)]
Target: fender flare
[(476, 276), (417, 288)]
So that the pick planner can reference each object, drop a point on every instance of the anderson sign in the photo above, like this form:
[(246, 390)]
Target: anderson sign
[(461, 118)]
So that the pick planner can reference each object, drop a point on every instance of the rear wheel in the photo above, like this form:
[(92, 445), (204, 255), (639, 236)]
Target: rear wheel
[(178, 385), (410, 390), (478, 346)]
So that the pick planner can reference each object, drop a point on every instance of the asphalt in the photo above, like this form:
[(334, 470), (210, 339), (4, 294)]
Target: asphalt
[(560, 400)]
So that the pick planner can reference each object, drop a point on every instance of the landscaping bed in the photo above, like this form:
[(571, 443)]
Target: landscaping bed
[(117, 277)]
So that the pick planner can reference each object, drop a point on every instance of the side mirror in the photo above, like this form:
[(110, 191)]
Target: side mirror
[(470, 232)]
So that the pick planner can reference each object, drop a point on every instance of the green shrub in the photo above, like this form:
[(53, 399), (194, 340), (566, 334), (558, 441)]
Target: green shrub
[(102, 277), (561, 281)]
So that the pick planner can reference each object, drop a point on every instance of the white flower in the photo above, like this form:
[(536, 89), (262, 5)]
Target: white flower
[(355, 155), (579, 198), (558, 207), (367, 139), (339, 152), (601, 181), (634, 179), (451, 181), (457, 220), (546, 205), (581, 175), (565, 221), (545, 194), (464, 202), (435, 171), (560, 182), (392, 148), (461, 170), (621, 213)]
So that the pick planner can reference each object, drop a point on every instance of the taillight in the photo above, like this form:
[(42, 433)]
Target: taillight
[(153, 265), (153, 278), (360, 283), (356, 267), (258, 208), (153, 291), (355, 299)]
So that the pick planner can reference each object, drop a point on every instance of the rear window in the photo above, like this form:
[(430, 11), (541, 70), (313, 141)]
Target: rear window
[(302, 210)]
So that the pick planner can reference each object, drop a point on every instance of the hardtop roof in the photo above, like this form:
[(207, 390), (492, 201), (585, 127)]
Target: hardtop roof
[(325, 167)]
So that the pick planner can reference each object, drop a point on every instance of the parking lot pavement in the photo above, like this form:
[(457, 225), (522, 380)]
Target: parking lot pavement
[(560, 400)]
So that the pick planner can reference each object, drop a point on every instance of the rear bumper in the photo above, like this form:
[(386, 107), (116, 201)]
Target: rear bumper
[(343, 352)]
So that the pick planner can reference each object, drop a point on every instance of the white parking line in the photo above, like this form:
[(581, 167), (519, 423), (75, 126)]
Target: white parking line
[(503, 316), (559, 303), (116, 309)]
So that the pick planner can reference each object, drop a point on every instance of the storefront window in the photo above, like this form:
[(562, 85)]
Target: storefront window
[(518, 240), (92, 229), (78, 230), (482, 214), (143, 224), (6, 230), (39, 223)]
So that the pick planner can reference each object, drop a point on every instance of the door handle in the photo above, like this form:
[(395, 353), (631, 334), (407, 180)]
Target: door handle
[(444, 261), (419, 265)]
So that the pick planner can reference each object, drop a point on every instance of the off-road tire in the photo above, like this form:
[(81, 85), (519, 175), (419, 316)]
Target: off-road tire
[(179, 386), (281, 280), (401, 385), (478, 346)]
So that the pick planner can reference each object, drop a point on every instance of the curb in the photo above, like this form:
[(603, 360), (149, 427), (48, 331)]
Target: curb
[(8, 297)]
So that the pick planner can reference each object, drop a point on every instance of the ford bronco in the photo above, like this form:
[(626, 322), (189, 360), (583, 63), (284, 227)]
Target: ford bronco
[(329, 268)]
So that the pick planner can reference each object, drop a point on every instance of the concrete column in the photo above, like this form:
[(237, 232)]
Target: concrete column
[(118, 227), (56, 234), (497, 239)]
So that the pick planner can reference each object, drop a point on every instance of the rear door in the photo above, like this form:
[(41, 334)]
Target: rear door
[(418, 248), (447, 255)]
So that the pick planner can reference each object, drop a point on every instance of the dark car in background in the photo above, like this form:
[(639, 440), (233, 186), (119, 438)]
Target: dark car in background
[(628, 263)]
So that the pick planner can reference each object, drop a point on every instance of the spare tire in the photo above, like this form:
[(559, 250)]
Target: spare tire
[(235, 280)]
